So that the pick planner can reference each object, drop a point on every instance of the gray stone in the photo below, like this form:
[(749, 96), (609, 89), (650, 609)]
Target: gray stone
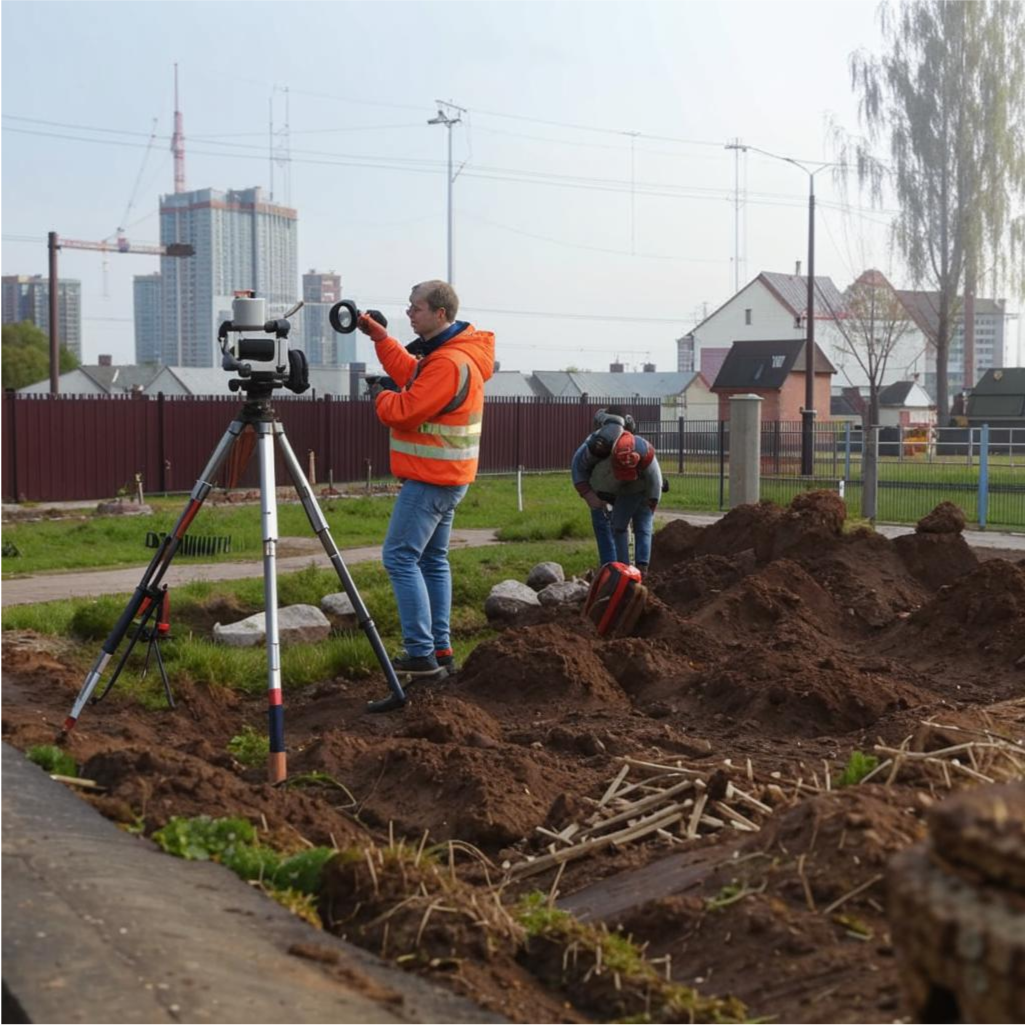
[(545, 573), (508, 599), (120, 508), (565, 592), (296, 624), (339, 610)]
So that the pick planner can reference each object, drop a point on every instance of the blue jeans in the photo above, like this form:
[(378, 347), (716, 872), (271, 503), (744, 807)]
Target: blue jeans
[(603, 535), (632, 508), (415, 556)]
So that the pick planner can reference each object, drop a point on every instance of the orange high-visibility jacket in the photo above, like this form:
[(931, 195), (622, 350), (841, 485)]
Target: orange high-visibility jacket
[(435, 419)]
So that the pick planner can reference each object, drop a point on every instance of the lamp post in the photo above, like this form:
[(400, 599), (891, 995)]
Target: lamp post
[(808, 412), (446, 119)]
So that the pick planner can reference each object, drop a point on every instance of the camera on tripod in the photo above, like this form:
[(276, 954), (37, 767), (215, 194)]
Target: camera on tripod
[(289, 367)]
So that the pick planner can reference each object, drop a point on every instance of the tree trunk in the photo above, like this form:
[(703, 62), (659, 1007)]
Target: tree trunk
[(942, 355)]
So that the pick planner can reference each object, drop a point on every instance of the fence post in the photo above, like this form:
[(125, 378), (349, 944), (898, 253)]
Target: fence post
[(161, 438), (722, 463), (11, 426), (983, 476), (679, 460), (870, 474), (519, 432), (847, 450), (745, 449)]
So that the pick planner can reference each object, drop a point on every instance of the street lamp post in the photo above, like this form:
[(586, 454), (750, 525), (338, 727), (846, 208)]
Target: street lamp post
[(446, 119), (808, 412)]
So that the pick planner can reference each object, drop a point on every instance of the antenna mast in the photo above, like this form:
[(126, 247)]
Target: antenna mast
[(178, 141)]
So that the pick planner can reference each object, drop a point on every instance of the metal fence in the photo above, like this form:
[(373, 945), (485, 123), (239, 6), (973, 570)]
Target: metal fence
[(980, 469), (58, 448)]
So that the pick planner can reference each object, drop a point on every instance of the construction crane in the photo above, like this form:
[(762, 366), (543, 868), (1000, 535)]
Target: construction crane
[(120, 245)]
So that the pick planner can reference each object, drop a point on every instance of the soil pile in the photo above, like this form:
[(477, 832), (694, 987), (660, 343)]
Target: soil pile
[(773, 638)]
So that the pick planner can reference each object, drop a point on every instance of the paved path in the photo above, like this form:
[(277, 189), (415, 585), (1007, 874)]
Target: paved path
[(88, 583), (100, 926)]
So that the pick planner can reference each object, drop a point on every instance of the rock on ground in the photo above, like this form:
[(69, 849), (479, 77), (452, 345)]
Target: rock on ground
[(296, 624), (340, 611), (564, 592), (545, 573), (508, 599)]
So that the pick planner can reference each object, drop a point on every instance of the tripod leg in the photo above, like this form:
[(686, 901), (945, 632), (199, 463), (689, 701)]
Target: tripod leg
[(155, 643), (139, 633), (276, 759), (320, 528), (154, 573)]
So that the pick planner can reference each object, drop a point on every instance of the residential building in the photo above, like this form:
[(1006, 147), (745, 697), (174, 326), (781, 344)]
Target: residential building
[(906, 404), (772, 305), (241, 241), (28, 298), (323, 345), (775, 370), (99, 379), (999, 399), (680, 394), (148, 297)]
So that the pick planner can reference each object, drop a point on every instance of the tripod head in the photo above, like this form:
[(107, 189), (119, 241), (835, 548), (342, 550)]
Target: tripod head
[(289, 366)]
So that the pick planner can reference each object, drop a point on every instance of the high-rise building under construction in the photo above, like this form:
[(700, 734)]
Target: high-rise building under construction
[(241, 241)]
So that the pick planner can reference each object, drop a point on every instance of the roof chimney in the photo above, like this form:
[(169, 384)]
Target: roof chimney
[(105, 361), (649, 368), (615, 368), (797, 271)]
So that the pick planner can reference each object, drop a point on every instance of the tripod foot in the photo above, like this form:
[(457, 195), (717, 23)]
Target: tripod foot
[(388, 704)]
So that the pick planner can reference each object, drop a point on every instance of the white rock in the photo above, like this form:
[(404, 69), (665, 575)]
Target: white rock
[(296, 624), (339, 610), (508, 599)]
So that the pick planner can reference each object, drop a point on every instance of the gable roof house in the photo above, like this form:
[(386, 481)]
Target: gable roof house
[(772, 305), (98, 379), (998, 399), (775, 370), (905, 403)]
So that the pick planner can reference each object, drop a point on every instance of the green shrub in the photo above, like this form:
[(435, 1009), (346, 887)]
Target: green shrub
[(52, 759), (857, 768), (203, 838), (303, 871), (249, 747)]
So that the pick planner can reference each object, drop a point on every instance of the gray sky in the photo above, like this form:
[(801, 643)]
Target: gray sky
[(576, 240)]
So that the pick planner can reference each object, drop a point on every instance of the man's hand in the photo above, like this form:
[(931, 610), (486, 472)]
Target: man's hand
[(370, 327), (375, 389), (593, 500)]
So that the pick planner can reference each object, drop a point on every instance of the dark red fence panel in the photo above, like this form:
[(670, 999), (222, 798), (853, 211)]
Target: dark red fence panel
[(60, 448)]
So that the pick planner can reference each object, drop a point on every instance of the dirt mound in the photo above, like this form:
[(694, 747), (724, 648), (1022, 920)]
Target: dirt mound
[(845, 837), (540, 666), (450, 720), (812, 517), (148, 786), (936, 559), (781, 599), (792, 693), (980, 620), (946, 518), (734, 533), (692, 582)]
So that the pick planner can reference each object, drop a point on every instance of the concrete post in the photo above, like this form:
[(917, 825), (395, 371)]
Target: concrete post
[(870, 474), (745, 449)]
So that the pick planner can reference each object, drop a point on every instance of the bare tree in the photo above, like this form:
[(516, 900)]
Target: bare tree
[(949, 99), (871, 324)]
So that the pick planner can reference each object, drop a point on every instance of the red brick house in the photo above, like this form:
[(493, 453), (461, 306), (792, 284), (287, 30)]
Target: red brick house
[(775, 370)]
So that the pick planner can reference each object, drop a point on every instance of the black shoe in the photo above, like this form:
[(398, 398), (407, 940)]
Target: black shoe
[(448, 663), (416, 665)]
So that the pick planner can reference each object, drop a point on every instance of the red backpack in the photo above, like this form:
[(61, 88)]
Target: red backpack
[(616, 599)]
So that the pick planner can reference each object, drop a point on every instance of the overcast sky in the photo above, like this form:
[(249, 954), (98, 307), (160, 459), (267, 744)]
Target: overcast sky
[(594, 206)]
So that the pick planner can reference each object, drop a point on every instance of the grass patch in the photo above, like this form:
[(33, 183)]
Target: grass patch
[(249, 747), (190, 655), (858, 766), (52, 759)]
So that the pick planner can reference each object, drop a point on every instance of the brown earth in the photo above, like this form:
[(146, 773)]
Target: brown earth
[(772, 639)]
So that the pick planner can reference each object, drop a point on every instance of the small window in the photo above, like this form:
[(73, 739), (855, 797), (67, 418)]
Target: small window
[(747, 316), (777, 362)]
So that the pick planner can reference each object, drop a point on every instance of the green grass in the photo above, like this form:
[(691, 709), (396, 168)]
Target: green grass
[(52, 759), (858, 766), (190, 654), (551, 511)]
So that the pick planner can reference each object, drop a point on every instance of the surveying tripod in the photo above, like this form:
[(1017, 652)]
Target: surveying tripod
[(258, 414)]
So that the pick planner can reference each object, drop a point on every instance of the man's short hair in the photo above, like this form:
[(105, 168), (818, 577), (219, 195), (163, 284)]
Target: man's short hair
[(439, 295)]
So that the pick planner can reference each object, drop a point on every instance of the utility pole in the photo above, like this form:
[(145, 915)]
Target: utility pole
[(808, 412), (736, 146), (448, 115)]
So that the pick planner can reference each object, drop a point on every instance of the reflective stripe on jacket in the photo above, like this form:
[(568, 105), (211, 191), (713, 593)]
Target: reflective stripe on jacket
[(435, 419)]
